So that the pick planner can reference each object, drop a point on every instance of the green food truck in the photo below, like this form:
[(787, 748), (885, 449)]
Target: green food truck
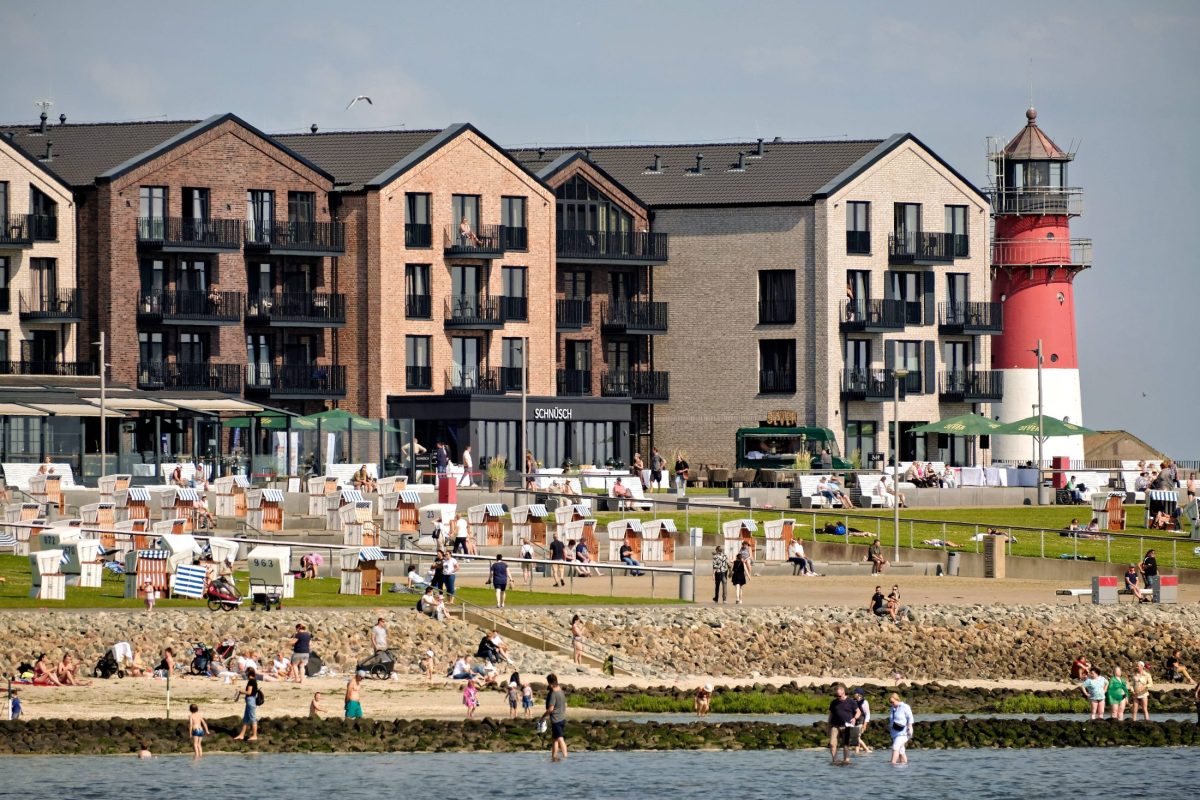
[(770, 446)]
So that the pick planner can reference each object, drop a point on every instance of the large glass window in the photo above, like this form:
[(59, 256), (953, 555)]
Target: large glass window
[(906, 287), (260, 214), (511, 363), (858, 228), (956, 225), (957, 285), (193, 348), (908, 356), (258, 359), (777, 366), (776, 296), (958, 356), (514, 302), (45, 215), (302, 208), (152, 211), (467, 287), (417, 303), (858, 357), (43, 274), (193, 276), (416, 363), (512, 217), (583, 207), (464, 371), (907, 227), (577, 285), (5, 301), (466, 205), (417, 230), (860, 436)]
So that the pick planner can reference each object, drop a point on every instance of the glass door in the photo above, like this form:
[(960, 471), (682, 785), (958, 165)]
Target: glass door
[(956, 297), (906, 287), (908, 226), (258, 359), (464, 370), (465, 290)]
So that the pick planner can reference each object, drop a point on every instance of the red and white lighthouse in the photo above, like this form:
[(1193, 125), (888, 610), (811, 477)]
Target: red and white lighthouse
[(1034, 264)]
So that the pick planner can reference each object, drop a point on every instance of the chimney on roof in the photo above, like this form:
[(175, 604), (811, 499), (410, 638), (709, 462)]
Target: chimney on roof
[(741, 159), (49, 151), (699, 163), (62, 119), (777, 139), (657, 163), (587, 152), (541, 153), (312, 128), (759, 153), (43, 118)]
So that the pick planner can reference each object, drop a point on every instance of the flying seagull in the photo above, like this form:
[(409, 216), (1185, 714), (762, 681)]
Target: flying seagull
[(360, 97)]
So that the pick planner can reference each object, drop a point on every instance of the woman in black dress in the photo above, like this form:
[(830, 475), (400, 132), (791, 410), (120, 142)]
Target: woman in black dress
[(741, 574), (439, 575)]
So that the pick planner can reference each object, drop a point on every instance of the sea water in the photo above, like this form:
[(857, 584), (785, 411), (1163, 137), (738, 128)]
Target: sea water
[(746, 775)]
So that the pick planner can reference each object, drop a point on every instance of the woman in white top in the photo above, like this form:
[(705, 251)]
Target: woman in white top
[(900, 722), (526, 557), (468, 465)]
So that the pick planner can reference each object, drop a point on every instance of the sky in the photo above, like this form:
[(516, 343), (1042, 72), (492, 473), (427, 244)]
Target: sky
[(1115, 81)]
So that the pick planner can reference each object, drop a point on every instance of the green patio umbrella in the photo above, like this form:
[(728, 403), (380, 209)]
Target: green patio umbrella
[(339, 419), (962, 425), (270, 420), (1051, 426)]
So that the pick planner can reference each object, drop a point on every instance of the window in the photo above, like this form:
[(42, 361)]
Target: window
[(957, 356), (858, 357), (858, 228), (956, 226), (860, 436), (3, 207), (43, 276), (152, 212), (513, 302), (465, 205), (464, 369), (150, 358), (193, 276), (908, 356), (906, 287), (417, 229), (4, 348), (579, 355), (467, 290), (41, 351), (776, 296), (193, 348), (45, 215), (416, 363), (956, 297), (577, 285), (299, 349), (583, 207), (154, 281), (907, 227), (511, 363), (5, 303), (302, 208), (258, 359), (777, 366), (512, 217), (260, 215), (417, 303), (195, 204)]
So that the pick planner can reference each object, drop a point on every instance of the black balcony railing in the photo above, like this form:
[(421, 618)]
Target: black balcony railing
[(418, 306), (44, 227), (63, 368), (189, 234), (776, 311), (970, 318), (418, 378), (1054, 200), (296, 237), (211, 307), (634, 316), (473, 311), (225, 378), (878, 385), (921, 247), (512, 238), (5, 302), (572, 315), (308, 380), (418, 234), (472, 380), (971, 386), (776, 382), (510, 379), (16, 230), (636, 384), (486, 242), (858, 243), (310, 309), (575, 382), (647, 248), (514, 308), (874, 316), (61, 305)]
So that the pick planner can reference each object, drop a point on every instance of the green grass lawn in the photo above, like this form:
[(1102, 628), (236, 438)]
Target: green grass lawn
[(958, 525), (322, 592)]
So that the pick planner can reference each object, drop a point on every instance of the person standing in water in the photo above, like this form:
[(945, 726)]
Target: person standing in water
[(900, 722)]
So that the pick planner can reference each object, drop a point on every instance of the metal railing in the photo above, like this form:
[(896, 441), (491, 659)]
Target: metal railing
[(776, 382), (473, 311), (510, 379), (308, 380), (226, 378), (486, 241), (1076, 253), (610, 245), (418, 234), (43, 227), (640, 316), (572, 314), (916, 247), (971, 317), (878, 384), (874, 315), (16, 230), (514, 238), (514, 308), (472, 380), (311, 308), (574, 382), (418, 306), (62, 304), (47, 367), (636, 384), (316, 237), (971, 386), (418, 378), (192, 305), (199, 234), (1065, 201)]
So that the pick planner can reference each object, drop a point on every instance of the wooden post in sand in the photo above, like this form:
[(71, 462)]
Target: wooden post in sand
[(168, 694)]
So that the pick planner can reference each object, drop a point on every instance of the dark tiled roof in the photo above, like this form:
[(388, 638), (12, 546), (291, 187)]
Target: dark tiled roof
[(356, 157), (83, 152), (788, 172)]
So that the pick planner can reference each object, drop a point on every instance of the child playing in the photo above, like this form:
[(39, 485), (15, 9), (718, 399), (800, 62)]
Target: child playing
[(527, 700), (199, 729), (150, 595), (514, 694), (471, 698), (14, 705), (427, 665), (314, 708)]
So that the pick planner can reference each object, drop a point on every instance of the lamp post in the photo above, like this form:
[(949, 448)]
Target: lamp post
[(524, 400), (103, 404), (898, 375), (1041, 437)]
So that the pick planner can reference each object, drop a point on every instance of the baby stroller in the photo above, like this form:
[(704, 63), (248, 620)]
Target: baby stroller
[(222, 594), (380, 665), (108, 666)]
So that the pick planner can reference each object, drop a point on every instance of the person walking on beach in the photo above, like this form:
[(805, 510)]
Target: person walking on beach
[(301, 648), (740, 576), (379, 636), (900, 722), (198, 728), (498, 574), (1140, 689), (657, 465), (14, 704), (1118, 695), (721, 569), (526, 561), (353, 707), (1094, 689), (470, 698), (864, 706), (577, 638), (558, 555), (249, 695), (513, 696), (843, 720), (556, 712)]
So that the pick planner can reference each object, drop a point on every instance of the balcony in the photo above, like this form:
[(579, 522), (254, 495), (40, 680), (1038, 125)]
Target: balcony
[(60, 368), (641, 385), (297, 381), (297, 309), (598, 247), (472, 381), (191, 308), (874, 316), (633, 316), (1038, 201), (512, 238), (201, 377), (477, 312), (418, 306), (574, 382), (16, 231), (61, 305), (510, 379), (878, 385), (486, 242), (296, 238), (923, 247), (514, 309), (970, 318), (573, 315), (418, 378), (5, 300), (971, 386), (775, 382), (180, 235), (1073, 254), (417, 234)]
